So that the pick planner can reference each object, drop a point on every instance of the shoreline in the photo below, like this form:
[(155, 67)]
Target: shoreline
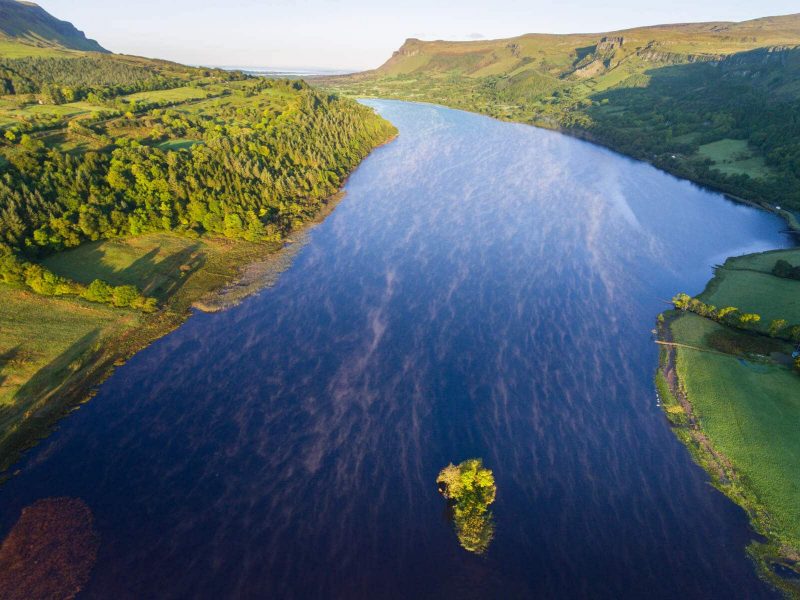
[(792, 221), (253, 274), (769, 556)]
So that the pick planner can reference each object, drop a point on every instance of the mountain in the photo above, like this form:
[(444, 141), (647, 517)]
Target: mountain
[(592, 55), (717, 103), (30, 24)]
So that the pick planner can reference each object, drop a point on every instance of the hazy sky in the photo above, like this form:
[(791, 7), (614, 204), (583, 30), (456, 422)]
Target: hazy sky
[(359, 34)]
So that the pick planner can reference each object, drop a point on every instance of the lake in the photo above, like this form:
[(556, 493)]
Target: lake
[(485, 289)]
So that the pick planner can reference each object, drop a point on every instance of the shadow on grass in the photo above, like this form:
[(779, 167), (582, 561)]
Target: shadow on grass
[(47, 396), (51, 377), (154, 276), (165, 277), (5, 358)]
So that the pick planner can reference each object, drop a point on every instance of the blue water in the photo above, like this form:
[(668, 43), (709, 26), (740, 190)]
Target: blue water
[(484, 290)]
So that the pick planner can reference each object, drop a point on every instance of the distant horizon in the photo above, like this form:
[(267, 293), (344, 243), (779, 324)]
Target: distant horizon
[(357, 35), (276, 69)]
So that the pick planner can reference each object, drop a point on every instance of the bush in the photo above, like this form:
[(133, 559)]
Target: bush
[(784, 269), (124, 295), (98, 291)]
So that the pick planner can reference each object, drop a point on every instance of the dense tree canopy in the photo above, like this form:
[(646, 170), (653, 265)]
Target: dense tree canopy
[(251, 161), (470, 488)]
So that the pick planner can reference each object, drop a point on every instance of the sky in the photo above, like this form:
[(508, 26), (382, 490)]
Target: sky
[(359, 34)]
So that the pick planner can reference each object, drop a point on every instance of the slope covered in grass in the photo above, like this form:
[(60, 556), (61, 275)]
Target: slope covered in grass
[(28, 22), (718, 103)]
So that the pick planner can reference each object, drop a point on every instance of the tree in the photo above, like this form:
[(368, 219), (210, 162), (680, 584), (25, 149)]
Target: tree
[(748, 320), (98, 291), (681, 301), (776, 326), (124, 295), (729, 313), (470, 488)]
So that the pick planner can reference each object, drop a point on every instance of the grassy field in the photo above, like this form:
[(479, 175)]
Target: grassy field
[(751, 412), (12, 49), (744, 397), (179, 144), (36, 331), (734, 157), (175, 269), (180, 94), (54, 350), (11, 112), (746, 282), (159, 264)]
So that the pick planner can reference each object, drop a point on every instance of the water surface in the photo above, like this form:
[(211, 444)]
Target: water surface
[(485, 290)]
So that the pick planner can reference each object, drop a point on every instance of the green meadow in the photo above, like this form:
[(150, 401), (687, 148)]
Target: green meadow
[(734, 157), (744, 393), (180, 94), (750, 410), (54, 349), (746, 282)]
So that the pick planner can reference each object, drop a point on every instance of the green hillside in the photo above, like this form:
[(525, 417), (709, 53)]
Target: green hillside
[(718, 103), (132, 189), (29, 23)]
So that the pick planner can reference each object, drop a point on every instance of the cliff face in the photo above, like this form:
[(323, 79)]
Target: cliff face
[(29, 23)]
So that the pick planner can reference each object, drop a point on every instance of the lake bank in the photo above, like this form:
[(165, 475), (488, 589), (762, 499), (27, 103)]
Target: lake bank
[(732, 398), (42, 384), (485, 289), (666, 161)]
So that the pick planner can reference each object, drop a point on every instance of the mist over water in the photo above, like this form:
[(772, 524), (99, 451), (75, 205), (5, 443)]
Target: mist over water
[(484, 290)]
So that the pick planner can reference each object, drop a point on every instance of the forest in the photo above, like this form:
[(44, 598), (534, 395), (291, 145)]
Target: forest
[(133, 190), (219, 153)]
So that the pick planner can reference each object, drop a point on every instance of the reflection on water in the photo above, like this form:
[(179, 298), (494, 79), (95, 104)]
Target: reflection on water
[(470, 489), (485, 289)]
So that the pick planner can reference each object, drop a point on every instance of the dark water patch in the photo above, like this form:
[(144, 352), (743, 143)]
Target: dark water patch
[(49, 551), (785, 571), (485, 289)]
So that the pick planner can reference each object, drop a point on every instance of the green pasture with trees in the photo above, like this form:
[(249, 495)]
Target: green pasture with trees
[(729, 356), (129, 189)]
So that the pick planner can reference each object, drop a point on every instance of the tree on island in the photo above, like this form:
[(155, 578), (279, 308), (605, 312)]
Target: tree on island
[(470, 489)]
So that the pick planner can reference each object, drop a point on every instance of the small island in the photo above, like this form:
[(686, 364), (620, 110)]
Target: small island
[(470, 489)]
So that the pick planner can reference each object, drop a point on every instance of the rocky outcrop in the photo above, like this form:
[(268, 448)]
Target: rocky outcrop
[(657, 53)]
